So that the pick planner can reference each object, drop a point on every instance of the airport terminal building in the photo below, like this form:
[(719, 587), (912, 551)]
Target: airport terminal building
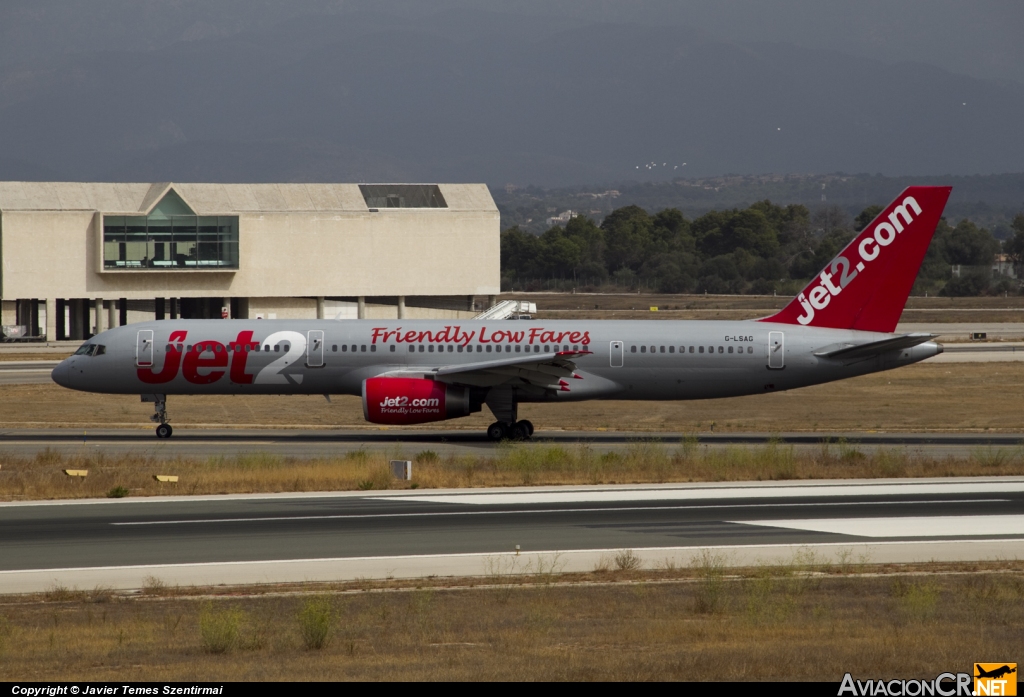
[(77, 258)]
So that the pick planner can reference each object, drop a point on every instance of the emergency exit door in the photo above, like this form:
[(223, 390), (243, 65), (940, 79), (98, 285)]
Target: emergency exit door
[(616, 354), (315, 349), (144, 348), (776, 350)]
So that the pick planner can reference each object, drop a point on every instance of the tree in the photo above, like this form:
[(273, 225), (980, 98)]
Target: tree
[(720, 233), (969, 245), (519, 251), (1014, 247), (866, 216), (627, 237)]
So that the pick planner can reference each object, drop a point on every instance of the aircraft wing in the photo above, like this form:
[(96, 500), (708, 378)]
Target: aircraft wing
[(873, 348), (546, 370)]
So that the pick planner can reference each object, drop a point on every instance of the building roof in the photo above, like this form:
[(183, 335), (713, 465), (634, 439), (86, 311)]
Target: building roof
[(214, 199)]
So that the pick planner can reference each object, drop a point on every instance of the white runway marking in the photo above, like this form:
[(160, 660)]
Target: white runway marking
[(931, 526), (711, 493), (534, 511)]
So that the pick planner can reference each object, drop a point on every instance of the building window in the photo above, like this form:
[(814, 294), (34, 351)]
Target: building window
[(170, 238), (402, 196)]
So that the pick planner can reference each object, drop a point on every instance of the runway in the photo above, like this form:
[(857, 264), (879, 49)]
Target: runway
[(337, 536), (305, 443)]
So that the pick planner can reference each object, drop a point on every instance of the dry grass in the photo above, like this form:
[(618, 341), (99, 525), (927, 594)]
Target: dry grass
[(792, 622), (923, 397), (41, 476)]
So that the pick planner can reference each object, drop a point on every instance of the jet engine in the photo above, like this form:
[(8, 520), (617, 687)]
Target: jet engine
[(400, 401)]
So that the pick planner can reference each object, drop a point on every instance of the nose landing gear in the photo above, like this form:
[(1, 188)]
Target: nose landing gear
[(163, 430)]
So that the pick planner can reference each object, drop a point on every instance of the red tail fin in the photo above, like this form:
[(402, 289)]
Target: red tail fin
[(867, 285)]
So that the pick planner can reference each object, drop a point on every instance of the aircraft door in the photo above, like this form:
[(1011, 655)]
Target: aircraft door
[(776, 350), (616, 354), (315, 349), (144, 348)]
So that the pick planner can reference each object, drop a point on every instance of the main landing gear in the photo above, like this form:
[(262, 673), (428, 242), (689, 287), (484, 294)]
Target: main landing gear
[(502, 403), (163, 430), (519, 430)]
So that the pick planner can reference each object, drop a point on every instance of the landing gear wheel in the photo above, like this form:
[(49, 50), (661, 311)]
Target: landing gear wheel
[(164, 431), (529, 428), (519, 431), (497, 431)]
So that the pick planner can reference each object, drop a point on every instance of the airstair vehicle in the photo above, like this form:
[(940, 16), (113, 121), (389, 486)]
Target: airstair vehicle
[(509, 309)]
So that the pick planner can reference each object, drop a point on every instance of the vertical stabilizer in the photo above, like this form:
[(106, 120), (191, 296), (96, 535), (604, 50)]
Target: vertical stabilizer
[(867, 285)]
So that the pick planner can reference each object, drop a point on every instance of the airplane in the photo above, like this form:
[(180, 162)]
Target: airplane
[(420, 371), (995, 672)]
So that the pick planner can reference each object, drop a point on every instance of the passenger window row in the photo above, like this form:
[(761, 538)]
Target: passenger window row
[(88, 349), (237, 348), (692, 349)]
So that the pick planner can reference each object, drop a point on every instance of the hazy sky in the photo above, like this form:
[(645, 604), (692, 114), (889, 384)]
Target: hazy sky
[(980, 38), (524, 91)]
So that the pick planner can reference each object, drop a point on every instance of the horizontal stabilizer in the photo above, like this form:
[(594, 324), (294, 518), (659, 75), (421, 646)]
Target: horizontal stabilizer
[(849, 350)]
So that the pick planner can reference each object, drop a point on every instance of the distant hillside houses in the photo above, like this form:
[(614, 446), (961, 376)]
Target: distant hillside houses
[(562, 218)]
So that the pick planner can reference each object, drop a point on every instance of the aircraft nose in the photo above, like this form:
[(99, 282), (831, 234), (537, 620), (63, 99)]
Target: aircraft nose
[(62, 374)]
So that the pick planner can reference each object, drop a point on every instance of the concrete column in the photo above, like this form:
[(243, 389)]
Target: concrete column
[(401, 307), (319, 307), (111, 307), (76, 331), (491, 299), (100, 315), (35, 329), (362, 307), (51, 319), (225, 302), (9, 312)]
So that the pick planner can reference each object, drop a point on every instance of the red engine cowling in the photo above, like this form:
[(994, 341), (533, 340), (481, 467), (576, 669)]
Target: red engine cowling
[(400, 401)]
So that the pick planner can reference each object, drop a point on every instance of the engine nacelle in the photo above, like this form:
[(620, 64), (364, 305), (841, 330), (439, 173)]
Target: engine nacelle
[(399, 401)]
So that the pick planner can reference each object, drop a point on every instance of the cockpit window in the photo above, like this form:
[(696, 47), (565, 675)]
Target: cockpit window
[(91, 350)]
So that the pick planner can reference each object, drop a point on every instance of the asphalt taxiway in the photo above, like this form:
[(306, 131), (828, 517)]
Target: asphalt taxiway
[(336, 536), (306, 443)]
